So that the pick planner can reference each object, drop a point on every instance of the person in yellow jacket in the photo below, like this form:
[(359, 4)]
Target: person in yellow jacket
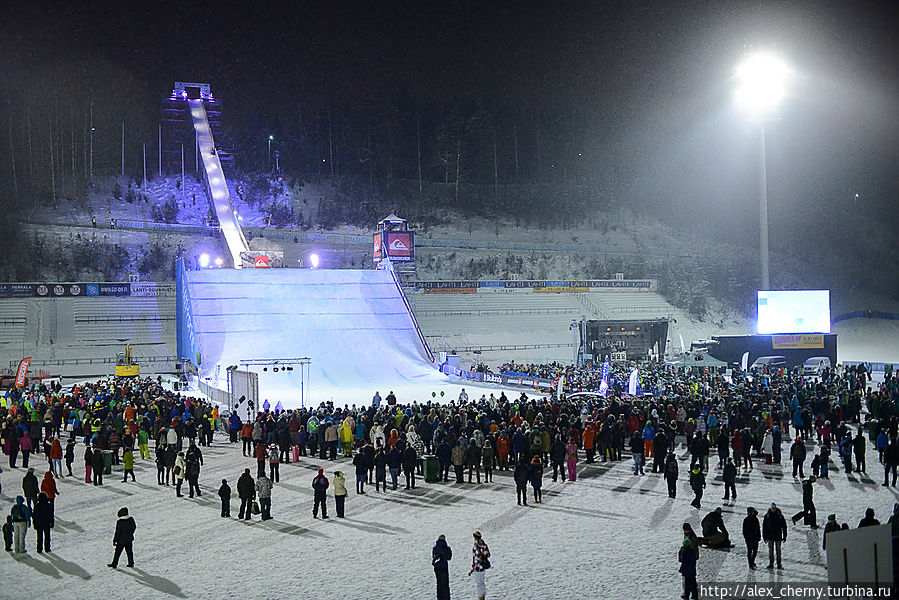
[(340, 492), (346, 437)]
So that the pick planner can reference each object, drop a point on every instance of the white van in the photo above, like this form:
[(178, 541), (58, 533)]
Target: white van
[(815, 365), (769, 362)]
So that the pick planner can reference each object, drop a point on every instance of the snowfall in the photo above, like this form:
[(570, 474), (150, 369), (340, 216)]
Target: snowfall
[(607, 535)]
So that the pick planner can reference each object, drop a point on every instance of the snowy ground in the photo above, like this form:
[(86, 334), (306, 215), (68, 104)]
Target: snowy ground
[(576, 544)]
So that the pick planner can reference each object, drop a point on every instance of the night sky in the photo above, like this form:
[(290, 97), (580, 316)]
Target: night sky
[(642, 91)]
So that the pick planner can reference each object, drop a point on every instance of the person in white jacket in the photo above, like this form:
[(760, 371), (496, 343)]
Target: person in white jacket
[(171, 437), (768, 446), (377, 434), (179, 473)]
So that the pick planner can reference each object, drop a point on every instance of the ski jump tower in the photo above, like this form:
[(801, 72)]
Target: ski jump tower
[(192, 104), (394, 246)]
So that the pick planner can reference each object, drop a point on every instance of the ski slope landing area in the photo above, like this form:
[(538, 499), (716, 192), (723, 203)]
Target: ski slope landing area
[(353, 324)]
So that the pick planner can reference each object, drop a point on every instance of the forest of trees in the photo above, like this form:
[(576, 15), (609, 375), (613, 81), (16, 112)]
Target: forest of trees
[(67, 122)]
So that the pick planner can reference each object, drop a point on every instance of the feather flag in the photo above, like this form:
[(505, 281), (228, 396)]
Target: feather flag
[(632, 383), (604, 384)]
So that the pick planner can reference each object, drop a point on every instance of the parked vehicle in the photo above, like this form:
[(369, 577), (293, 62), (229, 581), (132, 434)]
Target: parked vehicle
[(816, 365), (769, 363)]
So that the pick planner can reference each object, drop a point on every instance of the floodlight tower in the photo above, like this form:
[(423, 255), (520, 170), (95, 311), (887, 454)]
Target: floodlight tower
[(761, 85)]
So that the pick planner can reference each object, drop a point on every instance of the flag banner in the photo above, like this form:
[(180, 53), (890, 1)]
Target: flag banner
[(604, 384), (22, 371)]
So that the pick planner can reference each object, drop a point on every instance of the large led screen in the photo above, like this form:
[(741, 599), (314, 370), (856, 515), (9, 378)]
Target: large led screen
[(795, 311)]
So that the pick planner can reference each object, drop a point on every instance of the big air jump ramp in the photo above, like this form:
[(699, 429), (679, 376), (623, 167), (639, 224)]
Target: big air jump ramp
[(354, 326)]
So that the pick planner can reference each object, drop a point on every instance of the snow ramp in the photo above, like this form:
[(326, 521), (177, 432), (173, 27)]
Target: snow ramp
[(354, 325), (216, 184)]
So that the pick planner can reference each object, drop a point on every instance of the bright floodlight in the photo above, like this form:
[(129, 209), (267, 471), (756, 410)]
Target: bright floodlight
[(271, 137), (204, 260), (219, 262), (761, 82), (313, 260)]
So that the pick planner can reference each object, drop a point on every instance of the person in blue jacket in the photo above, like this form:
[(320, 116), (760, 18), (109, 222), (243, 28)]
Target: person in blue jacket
[(881, 444), (518, 443), (445, 458), (234, 425), (846, 451), (649, 436)]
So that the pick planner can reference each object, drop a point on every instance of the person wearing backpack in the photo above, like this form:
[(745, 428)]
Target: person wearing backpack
[(21, 518)]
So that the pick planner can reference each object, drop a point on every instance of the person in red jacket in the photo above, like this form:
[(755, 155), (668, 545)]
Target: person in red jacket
[(261, 456), (246, 436), (503, 446), (56, 457), (588, 436), (48, 486)]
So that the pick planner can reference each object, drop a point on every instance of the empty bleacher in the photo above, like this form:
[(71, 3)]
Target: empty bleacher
[(82, 336), (626, 304), (13, 323), (469, 322), (117, 321), (522, 324)]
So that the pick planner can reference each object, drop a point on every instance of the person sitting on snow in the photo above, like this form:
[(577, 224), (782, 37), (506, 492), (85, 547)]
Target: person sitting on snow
[(714, 533)]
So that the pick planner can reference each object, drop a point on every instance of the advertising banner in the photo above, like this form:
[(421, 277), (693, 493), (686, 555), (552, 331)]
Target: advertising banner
[(451, 291), (58, 290), (261, 259), (558, 289), (144, 289), (449, 287), (511, 380), (22, 371), (543, 286), (376, 247), (797, 341), (16, 289), (188, 346), (77, 290), (114, 289), (399, 246)]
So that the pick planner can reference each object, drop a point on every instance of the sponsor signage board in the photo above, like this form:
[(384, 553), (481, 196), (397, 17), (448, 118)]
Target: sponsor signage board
[(16, 289), (145, 289), (541, 285), (797, 341), (399, 245)]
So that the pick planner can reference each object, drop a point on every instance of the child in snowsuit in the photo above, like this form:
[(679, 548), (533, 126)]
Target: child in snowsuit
[(571, 452), (7, 534)]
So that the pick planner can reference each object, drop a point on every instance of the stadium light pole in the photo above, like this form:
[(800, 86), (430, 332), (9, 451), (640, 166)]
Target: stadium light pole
[(270, 138), (761, 85)]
